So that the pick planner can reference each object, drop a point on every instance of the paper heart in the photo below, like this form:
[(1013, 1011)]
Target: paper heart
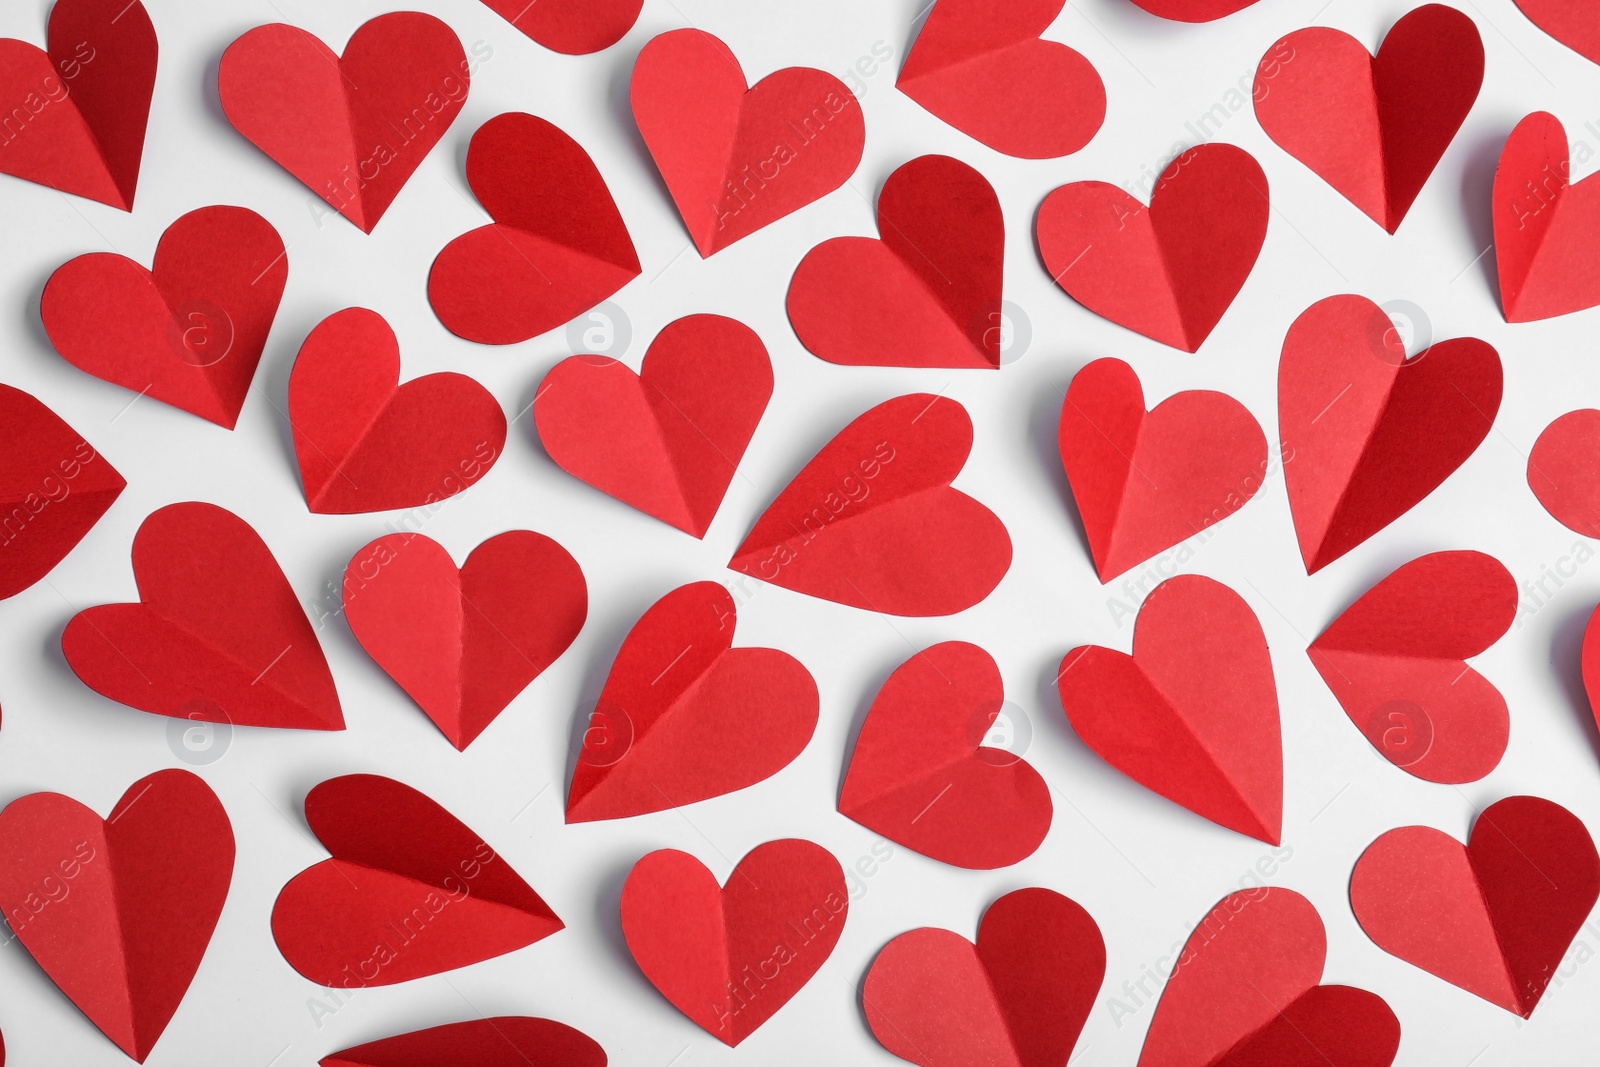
[(365, 442), (729, 957), (119, 912), (1545, 225), (1367, 433), (217, 636), (576, 27), (981, 67), (927, 294), (1494, 917), (1193, 713), (1394, 661), (501, 1041), (1564, 471), (1589, 663), (1571, 22), (919, 777), (1147, 480), (873, 522), (1245, 993), (352, 128), (1170, 270), (188, 332), (1193, 10), (684, 717), (668, 439), (1019, 996), (408, 891), (54, 487), (734, 158), (1373, 127), (556, 247), (463, 643), (76, 111)]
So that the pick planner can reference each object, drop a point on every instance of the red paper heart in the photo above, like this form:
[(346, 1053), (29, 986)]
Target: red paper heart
[(576, 27), (53, 488), (981, 67), (1367, 433), (1373, 127), (1019, 996), (1193, 713), (409, 891), (76, 114), (927, 294), (1545, 226), (729, 957), (1571, 22), (557, 245), (1147, 480), (1564, 471), (119, 912), (1193, 10), (1245, 993), (1589, 660), (668, 439), (1394, 661), (365, 442), (501, 1041), (352, 128), (189, 332), (217, 636), (684, 717), (1169, 270), (873, 522), (734, 158), (463, 643), (1494, 917), (919, 777)]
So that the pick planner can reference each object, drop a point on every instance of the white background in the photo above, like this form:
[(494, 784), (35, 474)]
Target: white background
[(1144, 868)]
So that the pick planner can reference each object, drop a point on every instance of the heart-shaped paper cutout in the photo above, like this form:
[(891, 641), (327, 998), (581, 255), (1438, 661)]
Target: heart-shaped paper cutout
[(751, 155), (189, 331), (556, 247), (463, 643), (365, 442), (668, 439), (408, 891), (575, 27), (1571, 22), (1589, 663), (684, 716), (919, 777), (1147, 480), (926, 293), (1193, 713), (1564, 471), (352, 128), (217, 636), (1018, 996), (729, 957), (1494, 917), (873, 522), (500, 1041), (1193, 10), (1545, 225), (119, 912), (1170, 270)]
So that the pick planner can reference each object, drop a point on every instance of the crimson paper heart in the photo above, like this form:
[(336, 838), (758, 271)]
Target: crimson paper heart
[(1494, 917), (1366, 432), (927, 293), (1545, 225), (668, 439), (1169, 270), (217, 636), (729, 957), (500, 1041), (352, 128), (684, 717), (365, 442), (463, 643), (1193, 10), (1193, 713), (1564, 471), (1571, 22), (873, 522), (119, 912), (189, 331), (409, 891), (735, 158), (919, 777), (576, 27)]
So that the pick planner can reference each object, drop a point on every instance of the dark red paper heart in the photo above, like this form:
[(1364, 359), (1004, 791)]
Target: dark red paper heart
[(1564, 471), (1546, 226), (499, 1041), (576, 27), (1571, 22)]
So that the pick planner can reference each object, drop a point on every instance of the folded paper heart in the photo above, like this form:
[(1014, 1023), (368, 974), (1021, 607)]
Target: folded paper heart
[(189, 331), (500, 1041), (1545, 225), (1193, 10), (730, 956), (1569, 21), (1564, 471), (217, 636), (576, 27), (119, 912), (408, 891)]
